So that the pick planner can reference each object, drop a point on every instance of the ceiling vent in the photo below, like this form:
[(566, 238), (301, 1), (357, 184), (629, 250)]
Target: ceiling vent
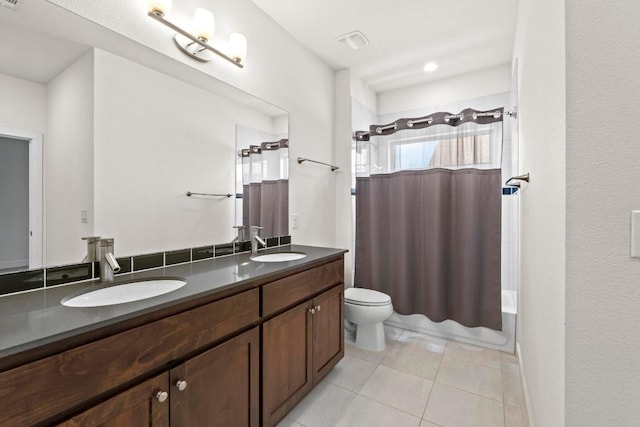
[(14, 5), (355, 39)]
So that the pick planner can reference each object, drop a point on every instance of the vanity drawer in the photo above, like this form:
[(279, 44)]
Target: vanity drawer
[(65, 382), (283, 293)]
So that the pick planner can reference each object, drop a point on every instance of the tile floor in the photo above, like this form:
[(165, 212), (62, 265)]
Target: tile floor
[(418, 381)]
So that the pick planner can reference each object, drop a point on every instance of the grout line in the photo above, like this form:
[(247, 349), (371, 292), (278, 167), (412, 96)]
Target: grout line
[(344, 411), (387, 405), (326, 379), (435, 378), (471, 392), (378, 364)]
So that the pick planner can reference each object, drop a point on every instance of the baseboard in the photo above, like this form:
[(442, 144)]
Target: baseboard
[(525, 389)]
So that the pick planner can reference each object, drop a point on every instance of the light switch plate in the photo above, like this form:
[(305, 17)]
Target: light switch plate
[(635, 234)]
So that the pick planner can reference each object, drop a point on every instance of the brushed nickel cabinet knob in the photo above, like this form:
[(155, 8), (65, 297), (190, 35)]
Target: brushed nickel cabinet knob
[(162, 396), (181, 385)]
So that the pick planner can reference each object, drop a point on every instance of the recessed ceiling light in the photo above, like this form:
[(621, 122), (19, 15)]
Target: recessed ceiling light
[(430, 67)]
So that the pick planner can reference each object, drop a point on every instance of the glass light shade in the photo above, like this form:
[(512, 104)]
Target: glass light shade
[(238, 46), (159, 6), (204, 24), (430, 67)]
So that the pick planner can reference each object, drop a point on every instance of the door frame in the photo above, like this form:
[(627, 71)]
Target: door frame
[(36, 194)]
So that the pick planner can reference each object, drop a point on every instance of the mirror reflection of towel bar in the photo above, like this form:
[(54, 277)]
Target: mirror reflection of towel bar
[(333, 168), (189, 194)]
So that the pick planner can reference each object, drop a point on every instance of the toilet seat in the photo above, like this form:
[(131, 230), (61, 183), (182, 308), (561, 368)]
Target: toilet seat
[(366, 297)]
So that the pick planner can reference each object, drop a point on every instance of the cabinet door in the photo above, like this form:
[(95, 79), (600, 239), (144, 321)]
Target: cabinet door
[(286, 362), (220, 387), (328, 331), (142, 405)]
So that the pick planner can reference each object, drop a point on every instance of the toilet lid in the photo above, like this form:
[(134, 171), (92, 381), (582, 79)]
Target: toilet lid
[(361, 296)]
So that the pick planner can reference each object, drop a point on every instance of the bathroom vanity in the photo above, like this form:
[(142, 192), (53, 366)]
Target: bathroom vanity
[(240, 344)]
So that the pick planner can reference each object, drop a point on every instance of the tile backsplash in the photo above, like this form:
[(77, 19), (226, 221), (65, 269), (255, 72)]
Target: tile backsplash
[(22, 281), (55, 276), (68, 273)]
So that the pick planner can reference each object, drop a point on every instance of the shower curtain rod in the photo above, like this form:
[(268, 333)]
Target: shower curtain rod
[(444, 118)]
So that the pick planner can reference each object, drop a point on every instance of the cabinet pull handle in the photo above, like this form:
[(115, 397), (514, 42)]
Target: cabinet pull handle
[(181, 384), (162, 396)]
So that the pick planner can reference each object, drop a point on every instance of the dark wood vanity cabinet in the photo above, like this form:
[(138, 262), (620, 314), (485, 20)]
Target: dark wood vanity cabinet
[(303, 343), (220, 387), (55, 388), (143, 405), (206, 365), (328, 332)]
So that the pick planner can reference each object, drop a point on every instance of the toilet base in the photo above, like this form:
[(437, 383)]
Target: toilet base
[(370, 337)]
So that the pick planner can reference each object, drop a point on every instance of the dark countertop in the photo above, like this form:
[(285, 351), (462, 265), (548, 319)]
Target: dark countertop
[(36, 318)]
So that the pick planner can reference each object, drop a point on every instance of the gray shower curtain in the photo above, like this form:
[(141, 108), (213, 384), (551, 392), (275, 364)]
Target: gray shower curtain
[(431, 240), (267, 204), (430, 237)]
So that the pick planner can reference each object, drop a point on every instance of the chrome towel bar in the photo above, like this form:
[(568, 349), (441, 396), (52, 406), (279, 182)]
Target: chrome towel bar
[(189, 194), (524, 178), (333, 168)]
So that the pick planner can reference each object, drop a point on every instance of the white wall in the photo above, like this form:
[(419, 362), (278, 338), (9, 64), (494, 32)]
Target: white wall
[(363, 94), (446, 91), (156, 138), (22, 104), (603, 160), (353, 96), (362, 115), (539, 49), (278, 69), (343, 120), (69, 163)]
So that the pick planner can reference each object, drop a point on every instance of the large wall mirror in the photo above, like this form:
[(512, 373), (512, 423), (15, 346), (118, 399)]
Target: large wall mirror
[(93, 144)]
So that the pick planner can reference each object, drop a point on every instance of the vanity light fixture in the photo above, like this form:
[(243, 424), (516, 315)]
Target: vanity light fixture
[(196, 43)]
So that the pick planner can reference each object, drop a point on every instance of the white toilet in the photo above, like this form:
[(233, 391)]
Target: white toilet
[(367, 309)]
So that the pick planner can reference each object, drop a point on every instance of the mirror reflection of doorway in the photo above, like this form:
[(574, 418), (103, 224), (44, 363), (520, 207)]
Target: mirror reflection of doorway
[(20, 201), (14, 204)]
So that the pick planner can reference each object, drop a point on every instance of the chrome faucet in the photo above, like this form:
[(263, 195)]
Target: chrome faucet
[(240, 236), (108, 262), (93, 248), (255, 238)]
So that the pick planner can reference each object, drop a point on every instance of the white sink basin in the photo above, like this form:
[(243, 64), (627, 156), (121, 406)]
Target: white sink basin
[(279, 257), (127, 292)]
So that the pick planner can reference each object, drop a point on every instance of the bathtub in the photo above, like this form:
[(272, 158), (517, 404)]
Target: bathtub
[(504, 340)]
